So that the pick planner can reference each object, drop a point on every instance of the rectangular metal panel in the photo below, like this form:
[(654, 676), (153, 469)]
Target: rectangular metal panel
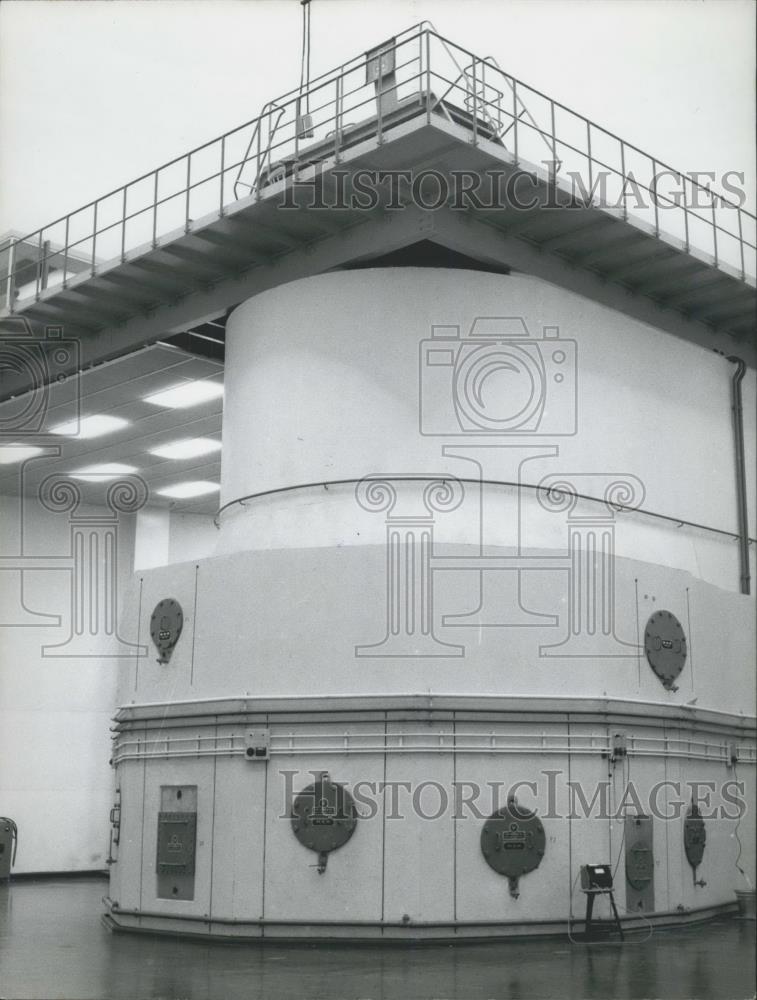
[(177, 841), (177, 834)]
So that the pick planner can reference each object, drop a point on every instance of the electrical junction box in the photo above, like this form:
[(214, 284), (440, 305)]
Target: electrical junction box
[(257, 745), (619, 746), (380, 62), (595, 878)]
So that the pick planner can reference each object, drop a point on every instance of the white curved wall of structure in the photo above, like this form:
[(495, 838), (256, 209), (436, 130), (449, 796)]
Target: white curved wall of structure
[(403, 642)]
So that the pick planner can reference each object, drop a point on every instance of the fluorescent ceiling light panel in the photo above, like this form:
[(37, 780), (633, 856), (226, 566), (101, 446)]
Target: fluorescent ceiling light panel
[(90, 427), (103, 473), (10, 453), (180, 397), (195, 488), (186, 448)]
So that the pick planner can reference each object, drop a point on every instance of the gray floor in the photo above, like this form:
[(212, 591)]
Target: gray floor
[(52, 945)]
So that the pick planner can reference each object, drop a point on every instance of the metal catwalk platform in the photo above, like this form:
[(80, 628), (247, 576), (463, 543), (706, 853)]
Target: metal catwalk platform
[(195, 236)]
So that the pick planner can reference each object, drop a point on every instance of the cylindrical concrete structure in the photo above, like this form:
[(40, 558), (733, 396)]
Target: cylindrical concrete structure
[(440, 551)]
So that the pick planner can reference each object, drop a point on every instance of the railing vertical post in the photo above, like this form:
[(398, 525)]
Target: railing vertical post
[(474, 103), (65, 250), (189, 188), (741, 243), (94, 235), (591, 163), (123, 226), (40, 264), (554, 142), (9, 289), (685, 213), (515, 121), (654, 199), (623, 177), (258, 162), (428, 75), (338, 116), (155, 211), (220, 176), (714, 228)]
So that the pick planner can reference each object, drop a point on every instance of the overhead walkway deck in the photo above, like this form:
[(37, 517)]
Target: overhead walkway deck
[(195, 236)]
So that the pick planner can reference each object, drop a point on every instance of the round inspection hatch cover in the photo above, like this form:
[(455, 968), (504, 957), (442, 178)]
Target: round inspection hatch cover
[(665, 646), (513, 841), (324, 816), (166, 623)]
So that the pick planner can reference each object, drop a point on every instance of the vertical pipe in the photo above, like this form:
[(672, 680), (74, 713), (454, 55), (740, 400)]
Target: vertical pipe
[(738, 437)]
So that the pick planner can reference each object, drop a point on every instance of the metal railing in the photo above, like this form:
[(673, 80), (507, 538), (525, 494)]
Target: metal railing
[(430, 76), (230, 743)]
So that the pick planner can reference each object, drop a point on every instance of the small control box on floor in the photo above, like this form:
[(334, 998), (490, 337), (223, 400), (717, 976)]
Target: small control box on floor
[(596, 880)]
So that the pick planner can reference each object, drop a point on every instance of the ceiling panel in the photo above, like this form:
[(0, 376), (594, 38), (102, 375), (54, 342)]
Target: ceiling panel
[(117, 388)]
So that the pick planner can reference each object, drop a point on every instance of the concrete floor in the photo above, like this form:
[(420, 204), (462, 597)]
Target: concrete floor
[(52, 945)]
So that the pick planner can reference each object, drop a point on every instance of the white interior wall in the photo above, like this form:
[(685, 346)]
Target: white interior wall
[(55, 711), (55, 708)]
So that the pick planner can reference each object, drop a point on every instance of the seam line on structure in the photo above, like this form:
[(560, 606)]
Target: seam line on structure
[(212, 838), (194, 627), (383, 830), (265, 827), (535, 487)]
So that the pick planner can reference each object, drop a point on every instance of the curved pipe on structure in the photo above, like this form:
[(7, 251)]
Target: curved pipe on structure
[(738, 436)]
